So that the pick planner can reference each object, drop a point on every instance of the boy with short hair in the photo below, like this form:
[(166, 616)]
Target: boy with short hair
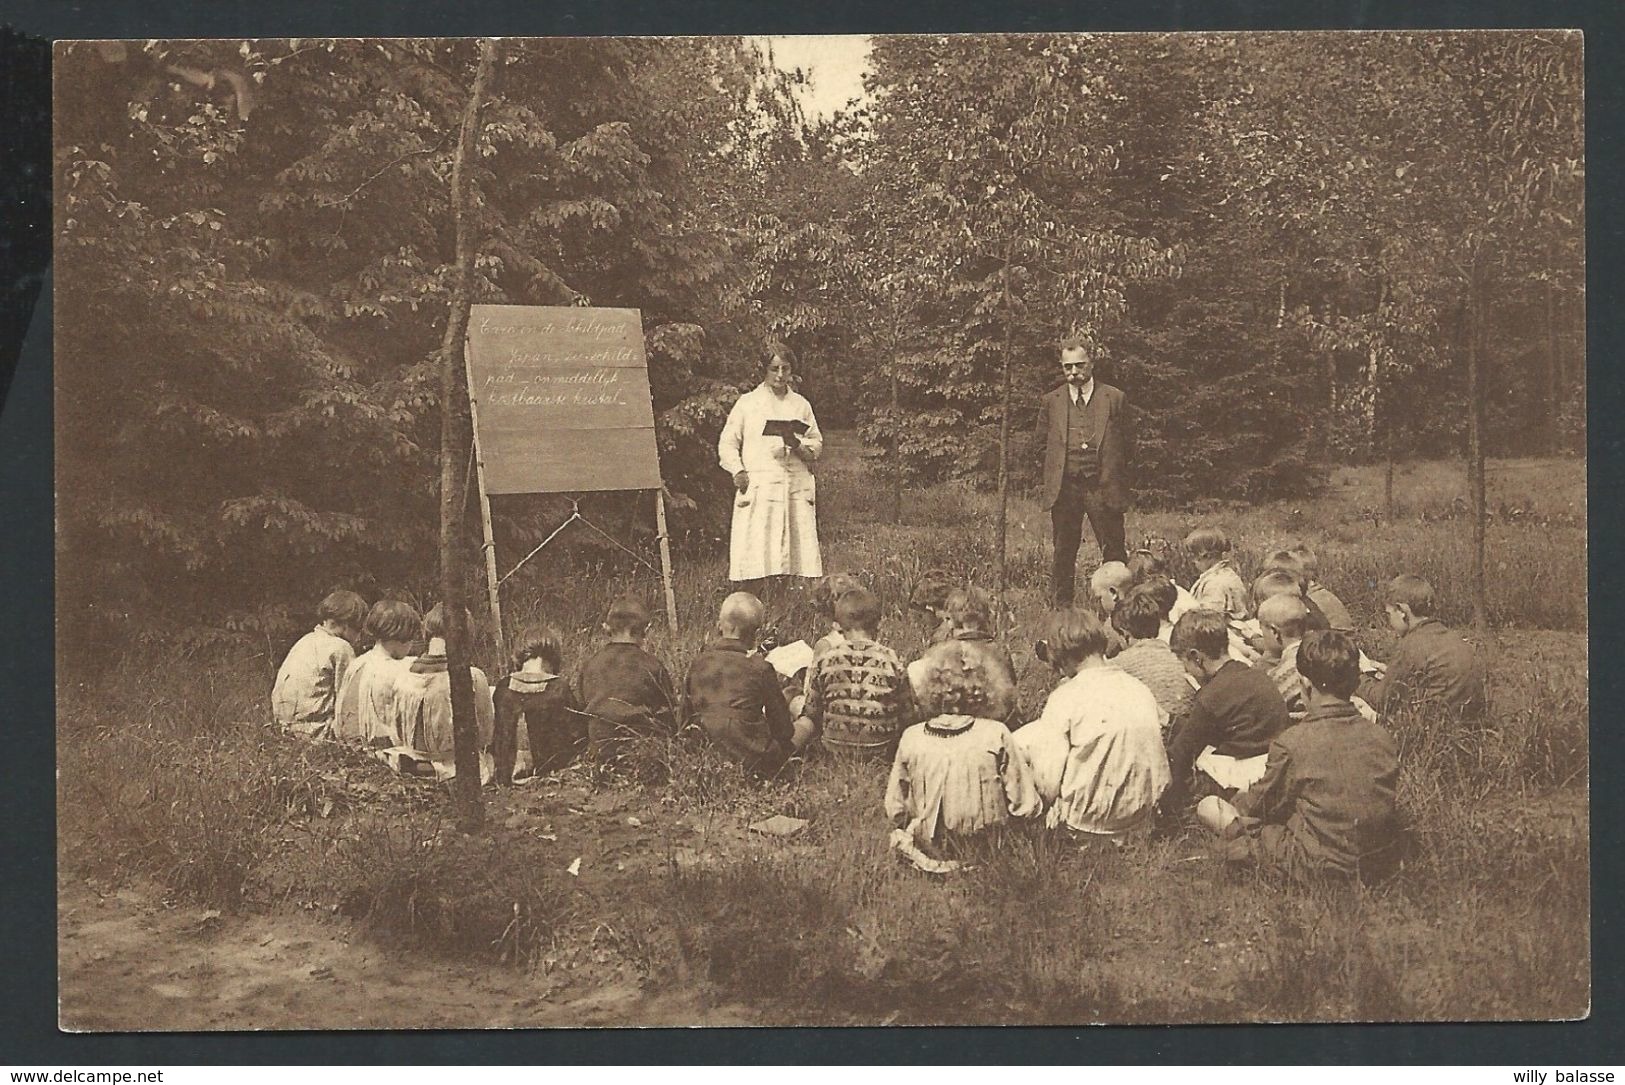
[(735, 697), (305, 694), (422, 703), (627, 692), (1284, 621), (1108, 584), (1337, 615), (366, 703), (1277, 579), (1234, 715), (1327, 800), (1218, 586), (1433, 665), (1139, 618), (830, 589), (858, 695)]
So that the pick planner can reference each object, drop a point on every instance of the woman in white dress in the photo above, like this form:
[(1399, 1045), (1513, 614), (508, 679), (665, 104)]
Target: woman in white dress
[(768, 445)]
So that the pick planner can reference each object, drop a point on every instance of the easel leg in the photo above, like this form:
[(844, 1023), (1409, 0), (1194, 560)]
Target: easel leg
[(485, 524), (665, 558)]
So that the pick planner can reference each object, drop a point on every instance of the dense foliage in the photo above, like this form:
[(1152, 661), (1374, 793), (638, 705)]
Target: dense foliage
[(1287, 245), (255, 242)]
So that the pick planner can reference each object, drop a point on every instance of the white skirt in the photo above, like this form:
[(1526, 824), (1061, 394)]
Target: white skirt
[(775, 529)]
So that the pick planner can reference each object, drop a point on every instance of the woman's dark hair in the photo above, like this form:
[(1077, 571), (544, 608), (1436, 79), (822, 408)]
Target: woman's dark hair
[(779, 350)]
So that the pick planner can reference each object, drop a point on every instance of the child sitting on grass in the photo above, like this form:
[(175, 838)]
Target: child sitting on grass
[(971, 613), (1222, 740), (534, 694), (1308, 563), (1166, 595), (1279, 579), (366, 705), (1326, 802), (735, 697), (1218, 586), (1096, 753), (930, 595), (830, 590), (1434, 666), (959, 772), (858, 696), (1108, 584), (1138, 619), (1155, 561), (1283, 622), (422, 711), (305, 694), (626, 691)]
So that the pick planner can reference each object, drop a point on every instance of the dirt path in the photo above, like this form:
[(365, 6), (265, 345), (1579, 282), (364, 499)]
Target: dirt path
[(127, 957)]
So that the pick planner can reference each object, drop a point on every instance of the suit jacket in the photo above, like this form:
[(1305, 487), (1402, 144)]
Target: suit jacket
[(1113, 484)]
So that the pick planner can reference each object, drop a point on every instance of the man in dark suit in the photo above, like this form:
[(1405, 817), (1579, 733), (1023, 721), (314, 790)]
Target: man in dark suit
[(1084, 427)]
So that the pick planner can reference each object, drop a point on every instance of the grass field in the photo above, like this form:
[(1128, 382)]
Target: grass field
[(170, 788)]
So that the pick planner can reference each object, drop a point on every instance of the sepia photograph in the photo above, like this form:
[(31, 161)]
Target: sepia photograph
[(894, 530)]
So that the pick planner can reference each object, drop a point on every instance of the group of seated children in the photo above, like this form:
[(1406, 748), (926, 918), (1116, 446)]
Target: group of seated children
[(1252, 705), (400, 705)]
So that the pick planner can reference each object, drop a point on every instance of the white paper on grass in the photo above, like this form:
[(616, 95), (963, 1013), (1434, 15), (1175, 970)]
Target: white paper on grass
[(787, 659)]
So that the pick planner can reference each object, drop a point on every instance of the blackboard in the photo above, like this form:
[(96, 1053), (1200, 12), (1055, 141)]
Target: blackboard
[(561, 399)]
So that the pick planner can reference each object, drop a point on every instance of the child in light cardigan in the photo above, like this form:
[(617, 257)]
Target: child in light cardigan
[(305, 694), (422, 711), (366, 702), (1218, 586), (959, 772)]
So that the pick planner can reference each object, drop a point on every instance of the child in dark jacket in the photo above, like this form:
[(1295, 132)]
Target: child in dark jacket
[(1434, 666), (1326, 802), (1232, 718), (626, 691), (735, 696), (534, 695)]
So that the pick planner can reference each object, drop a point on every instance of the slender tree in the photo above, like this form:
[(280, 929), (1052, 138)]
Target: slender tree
[(454, 444)]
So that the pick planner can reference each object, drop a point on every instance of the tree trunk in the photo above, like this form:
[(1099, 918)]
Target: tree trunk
[(1388, 472), (1384, 407), (894, 424), (454, 444), (1004, 431), (1475, 445)]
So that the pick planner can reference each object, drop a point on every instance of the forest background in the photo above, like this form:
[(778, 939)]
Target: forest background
[(1296, 251)]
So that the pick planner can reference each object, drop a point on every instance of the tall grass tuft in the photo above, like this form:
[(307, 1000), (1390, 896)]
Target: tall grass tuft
[(423, 885), (166, 772)]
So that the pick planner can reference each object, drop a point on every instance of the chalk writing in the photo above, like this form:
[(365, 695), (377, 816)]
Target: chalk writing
[(562, 399)]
